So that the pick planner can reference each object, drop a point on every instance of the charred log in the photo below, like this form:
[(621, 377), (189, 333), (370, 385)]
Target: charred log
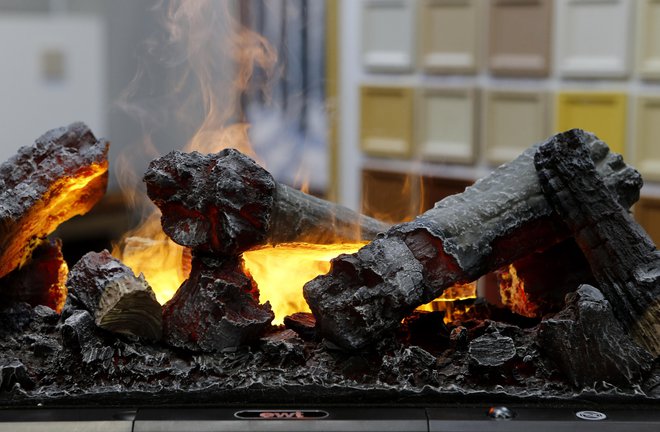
[(119, 301), (501, 218), (217, 308), (62, 175), (41, 281), (225, 204), (623, 258), (605, 352), (302, 323)]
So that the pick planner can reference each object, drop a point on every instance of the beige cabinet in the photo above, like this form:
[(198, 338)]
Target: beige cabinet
[(594, 38), (519, 40), (450, 34), (445, 124), (648, 22), (386, 121), (514, 121), (647, 137), (388, 35)]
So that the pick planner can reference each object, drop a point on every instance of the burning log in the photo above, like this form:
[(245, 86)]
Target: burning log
[(119, 301), (501, 218), (62, 175), (226, 204), (623, 259), (41, 281), (217, 308)]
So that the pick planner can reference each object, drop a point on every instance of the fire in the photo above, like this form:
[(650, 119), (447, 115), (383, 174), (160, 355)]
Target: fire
[(149, 251), (457, 292), (281, 272), (512, 292)]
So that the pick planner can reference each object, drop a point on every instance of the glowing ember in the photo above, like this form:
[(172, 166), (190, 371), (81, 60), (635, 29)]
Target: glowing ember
[(67, 197)]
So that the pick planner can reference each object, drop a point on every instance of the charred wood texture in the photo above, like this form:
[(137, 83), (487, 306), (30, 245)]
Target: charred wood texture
[(225, 204), (589, 345), (62, 175), (623, 258), (119, 301), (41, 281), (217, 308), (501, 218)]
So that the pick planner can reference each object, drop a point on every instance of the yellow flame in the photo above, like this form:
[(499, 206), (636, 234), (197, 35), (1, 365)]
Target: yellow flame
[(281, 272), (149, 251), (457, 292)]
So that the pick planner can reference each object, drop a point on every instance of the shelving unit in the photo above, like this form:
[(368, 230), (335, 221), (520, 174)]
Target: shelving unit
[(477, 82)]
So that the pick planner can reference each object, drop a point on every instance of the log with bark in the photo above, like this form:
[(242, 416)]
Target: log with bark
[(216, 309), (119, 301), (501, 218), (226, 204), (64, 174), (623, 258)]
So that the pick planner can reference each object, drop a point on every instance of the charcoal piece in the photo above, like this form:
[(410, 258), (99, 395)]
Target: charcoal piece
[(226, 204), (64, 174), (41, 281), (302, 323), (537, 284), (590, 346), (622, 257), (491, 350), (78, 332), (458, 337), (284, 347), (119, 301), (13, 372), (410, 364), (216, 309), (501, 218), (15, 317)]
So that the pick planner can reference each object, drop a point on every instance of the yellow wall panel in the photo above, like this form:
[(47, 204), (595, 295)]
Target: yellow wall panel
[(601, 113), (386, 118)]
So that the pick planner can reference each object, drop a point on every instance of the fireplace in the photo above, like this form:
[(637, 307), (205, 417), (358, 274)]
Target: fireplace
[(394, 337)]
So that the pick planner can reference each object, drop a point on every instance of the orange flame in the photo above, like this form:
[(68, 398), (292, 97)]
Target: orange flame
[(512, 292)]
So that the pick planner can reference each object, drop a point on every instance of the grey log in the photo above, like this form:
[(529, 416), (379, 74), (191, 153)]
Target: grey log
[(226, 204), (498, 220), (622, 257), (119, 301)]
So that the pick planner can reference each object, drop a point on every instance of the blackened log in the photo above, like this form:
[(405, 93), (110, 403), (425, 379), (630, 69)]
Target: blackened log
[(119, 301), (302, 323), (623, 258), (225, 204), (501, 218), (64, 174), (216, 309), (537, 284), (41, 281), (590, 346)]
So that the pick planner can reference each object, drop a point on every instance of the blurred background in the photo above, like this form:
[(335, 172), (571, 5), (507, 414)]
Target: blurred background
[(383, 105)]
